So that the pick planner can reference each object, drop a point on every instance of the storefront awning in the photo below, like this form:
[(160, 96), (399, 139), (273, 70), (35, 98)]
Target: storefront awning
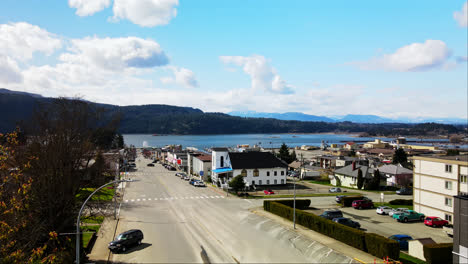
[(222, 170)]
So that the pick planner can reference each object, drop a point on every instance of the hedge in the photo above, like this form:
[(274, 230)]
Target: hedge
[(382, 247), (345, 234), (438, 253), (300, 203), (347, 201), (401, 202)]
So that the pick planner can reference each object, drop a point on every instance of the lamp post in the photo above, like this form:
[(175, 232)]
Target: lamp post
[(294, 203), (81, 210)]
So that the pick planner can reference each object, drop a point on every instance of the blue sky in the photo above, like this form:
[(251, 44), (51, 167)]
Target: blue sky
[(393, 58)]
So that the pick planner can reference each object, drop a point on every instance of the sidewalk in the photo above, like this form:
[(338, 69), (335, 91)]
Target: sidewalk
[(105, 235), (356, 254)]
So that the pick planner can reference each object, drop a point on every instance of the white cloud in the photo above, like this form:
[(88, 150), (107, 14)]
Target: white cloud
[(115, 54), (146, 13), (181, 76), (20, 41), (462, 16), (9, 70), (413, 57), (262, 74), (88, 7)]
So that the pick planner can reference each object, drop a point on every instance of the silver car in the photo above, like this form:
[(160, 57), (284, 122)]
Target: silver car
[(397, 211), (383, 210), (335, 190)]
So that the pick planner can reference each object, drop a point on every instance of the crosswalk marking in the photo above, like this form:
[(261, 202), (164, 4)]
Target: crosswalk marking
[(149, 199), (173, 198)]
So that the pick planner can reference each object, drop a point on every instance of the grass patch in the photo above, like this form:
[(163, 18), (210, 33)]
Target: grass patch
[(92, 219), (407, 259), (321, 182), (377, 204), (87, 236), (326, 183), (105, 194), (298, 195)]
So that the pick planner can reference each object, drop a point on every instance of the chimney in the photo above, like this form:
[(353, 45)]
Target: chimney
[(354, 165)]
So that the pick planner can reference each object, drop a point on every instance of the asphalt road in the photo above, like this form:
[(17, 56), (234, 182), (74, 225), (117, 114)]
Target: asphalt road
[(186, 224)]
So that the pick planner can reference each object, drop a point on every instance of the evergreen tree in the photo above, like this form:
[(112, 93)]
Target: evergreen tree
[(293, 155), (237, 183), (284, 153), (360, 179), (400, 156), (376, 180)]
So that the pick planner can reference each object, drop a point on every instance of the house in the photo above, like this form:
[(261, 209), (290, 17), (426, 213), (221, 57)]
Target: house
[(416, 247), (310, 172), (377, 143), (258, 168), (350, 146), (396, 175), (202, 166), (460, 229), (295, 165), (343, 161), (347, 176), (328, 162), (436, 180)]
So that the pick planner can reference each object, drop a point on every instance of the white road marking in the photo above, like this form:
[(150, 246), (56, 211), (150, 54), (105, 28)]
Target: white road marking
[(247, 200), (126, 201), (212, 197), (149, 199), (138, 200), (217, 196), (133, 200), (191, 197), (143, 199)]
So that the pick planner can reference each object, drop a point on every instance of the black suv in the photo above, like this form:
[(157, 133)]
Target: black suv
[(330, 214), (126, 240)]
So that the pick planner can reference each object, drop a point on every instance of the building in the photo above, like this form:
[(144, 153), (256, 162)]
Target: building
[(258, 168), (460, 229), (202, 166), (350, 146), (376, 144), (347, 176), (396, 175), (436, 180)]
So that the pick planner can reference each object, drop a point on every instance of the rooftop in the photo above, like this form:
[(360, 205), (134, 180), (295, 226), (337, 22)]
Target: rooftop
[(219, 149), (204, 157), (255, 160)]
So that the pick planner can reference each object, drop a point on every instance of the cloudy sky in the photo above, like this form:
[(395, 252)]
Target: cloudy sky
[(388, 58)]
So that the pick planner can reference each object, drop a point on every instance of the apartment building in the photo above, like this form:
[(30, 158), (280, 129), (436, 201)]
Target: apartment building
[(436, 180)]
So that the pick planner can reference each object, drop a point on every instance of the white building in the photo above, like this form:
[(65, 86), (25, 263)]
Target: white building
[(258, 168), (202, 166), (436, 179)]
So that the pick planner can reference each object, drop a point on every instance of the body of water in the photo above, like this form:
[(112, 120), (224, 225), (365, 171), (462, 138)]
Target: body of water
[(264, 140)]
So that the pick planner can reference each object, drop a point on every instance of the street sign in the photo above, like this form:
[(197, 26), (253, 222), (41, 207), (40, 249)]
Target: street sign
[(201, 173)]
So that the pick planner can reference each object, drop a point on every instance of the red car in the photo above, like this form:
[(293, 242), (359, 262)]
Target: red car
[(435, 221), (268, 191), (360, 204)]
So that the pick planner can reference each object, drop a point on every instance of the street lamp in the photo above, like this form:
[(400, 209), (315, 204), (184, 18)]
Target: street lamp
[(81, 210), (294, 203)]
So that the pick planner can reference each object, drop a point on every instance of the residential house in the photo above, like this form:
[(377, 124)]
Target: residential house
[(460, 229), (328, 162), (396, 175), (350, 146), (257, 168), (310, 172), (202, 166), (436, 180), (343, 161), (347, 176)]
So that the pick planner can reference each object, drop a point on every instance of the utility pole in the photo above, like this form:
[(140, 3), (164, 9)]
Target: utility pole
[(294, 203)]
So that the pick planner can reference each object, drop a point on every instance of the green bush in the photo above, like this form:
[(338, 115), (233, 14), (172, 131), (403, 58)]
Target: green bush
[(347, 201), (382, 247), (401, 202), (438, 253), (300, 203)]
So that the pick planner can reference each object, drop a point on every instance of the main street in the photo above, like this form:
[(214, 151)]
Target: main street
[(186, 224)]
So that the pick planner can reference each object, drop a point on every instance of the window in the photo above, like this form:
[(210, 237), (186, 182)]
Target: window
[(244, 173), (276, 182), (253, 182), (448, 217), (268, 173), (222, 162), (275, 173), (255, 173), (260, 182), (448, 168), (268, 182), (282, 181), (448, 202), (463, 178), (448, 185), (282, 173)]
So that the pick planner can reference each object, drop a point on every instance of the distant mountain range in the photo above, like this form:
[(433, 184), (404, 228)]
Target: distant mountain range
[(364, 119)]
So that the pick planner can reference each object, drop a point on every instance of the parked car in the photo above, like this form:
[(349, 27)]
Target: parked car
[(199, 184), (269, 191), (402, 240), (383, 210), (409, 215), (397, 211), (335, 190), (404, 191), (187, 178), (361, 204), (192, 181), (150, 165), (125, 240), (172, 168), (347, 222), (435, 221), (338, 198), (331, 214)]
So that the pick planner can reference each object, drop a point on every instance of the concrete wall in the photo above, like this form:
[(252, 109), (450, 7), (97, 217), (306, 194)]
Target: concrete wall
[(415, 249)]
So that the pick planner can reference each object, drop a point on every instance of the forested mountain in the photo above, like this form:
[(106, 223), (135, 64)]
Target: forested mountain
[(166, 119)]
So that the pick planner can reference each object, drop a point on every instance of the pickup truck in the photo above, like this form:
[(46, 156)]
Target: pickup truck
[(409, 215), (448, 229)]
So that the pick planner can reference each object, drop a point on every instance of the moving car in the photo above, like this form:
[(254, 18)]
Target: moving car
[(331, 214), (269, 191), (383, 210), (360, 204), (335, 190), (402, 240), (150, 165), (404, 191), (347, 222), (435, 221), (397, 211), (409, 215), (125, 240)]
